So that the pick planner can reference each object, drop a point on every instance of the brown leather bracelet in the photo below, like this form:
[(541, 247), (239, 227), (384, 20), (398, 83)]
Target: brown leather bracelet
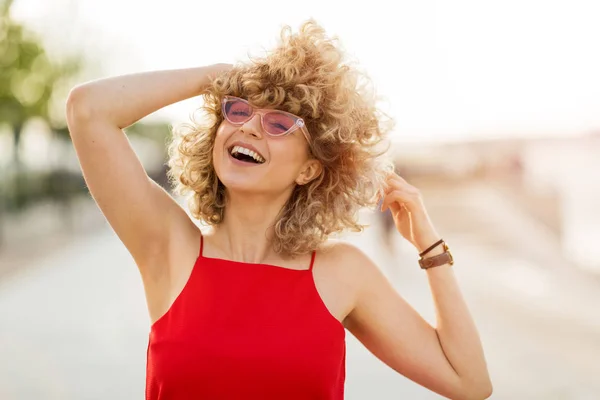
[(438, 260), (433, 246)]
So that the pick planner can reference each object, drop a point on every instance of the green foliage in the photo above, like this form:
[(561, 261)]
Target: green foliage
[(158, 131), (29, 76)]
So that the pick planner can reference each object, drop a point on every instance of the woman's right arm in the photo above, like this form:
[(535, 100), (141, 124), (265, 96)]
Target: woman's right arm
[(143, 215)]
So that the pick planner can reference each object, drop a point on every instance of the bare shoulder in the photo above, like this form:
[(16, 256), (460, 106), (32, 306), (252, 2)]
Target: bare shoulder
[(184, 246), (341, 269), (366, 275), (345, 257), (179, 258)]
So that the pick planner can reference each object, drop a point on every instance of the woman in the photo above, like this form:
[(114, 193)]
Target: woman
[(256, 307)]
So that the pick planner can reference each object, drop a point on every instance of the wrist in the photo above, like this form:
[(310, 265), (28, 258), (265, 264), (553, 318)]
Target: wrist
[(425, 241), (209, 72), (436, 251), (436, 255), (220, 67)]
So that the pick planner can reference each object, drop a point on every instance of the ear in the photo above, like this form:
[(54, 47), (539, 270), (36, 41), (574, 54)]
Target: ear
[(310, 170)]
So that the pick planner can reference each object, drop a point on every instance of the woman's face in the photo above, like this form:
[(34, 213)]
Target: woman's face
[(283, 162)]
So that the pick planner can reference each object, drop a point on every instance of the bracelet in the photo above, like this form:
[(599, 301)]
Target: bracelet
[(433, 246), (441, 259)]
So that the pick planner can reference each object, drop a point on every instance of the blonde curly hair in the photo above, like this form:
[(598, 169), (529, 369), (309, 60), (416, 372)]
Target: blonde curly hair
[(306, 75)]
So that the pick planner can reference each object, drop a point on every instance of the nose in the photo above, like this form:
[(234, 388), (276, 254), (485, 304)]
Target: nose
[(253, 126)]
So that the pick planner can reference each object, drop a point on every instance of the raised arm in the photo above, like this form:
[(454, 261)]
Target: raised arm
[(143, 215), (448, 358)]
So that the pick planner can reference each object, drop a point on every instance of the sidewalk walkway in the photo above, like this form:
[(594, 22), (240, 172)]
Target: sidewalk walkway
[(42, 230)]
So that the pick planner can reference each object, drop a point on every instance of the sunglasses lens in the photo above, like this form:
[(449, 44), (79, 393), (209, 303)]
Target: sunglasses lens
[(276, 123), (237, 111)]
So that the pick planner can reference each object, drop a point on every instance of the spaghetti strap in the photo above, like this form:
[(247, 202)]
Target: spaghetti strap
[(312, 260), (201, 244)]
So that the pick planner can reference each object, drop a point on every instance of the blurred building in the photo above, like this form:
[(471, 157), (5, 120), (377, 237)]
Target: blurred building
[(553, 181)]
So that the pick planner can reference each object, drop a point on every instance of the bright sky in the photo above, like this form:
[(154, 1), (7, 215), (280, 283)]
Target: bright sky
[(448, 69)]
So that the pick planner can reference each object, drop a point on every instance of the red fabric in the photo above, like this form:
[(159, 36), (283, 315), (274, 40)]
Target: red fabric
[(246, 331)]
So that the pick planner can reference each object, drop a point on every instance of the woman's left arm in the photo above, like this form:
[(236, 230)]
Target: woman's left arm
[(447, 359)]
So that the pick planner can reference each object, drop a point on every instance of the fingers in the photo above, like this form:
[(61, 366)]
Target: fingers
[(399, 191), (395, 182), (394, 199), (397, 177)]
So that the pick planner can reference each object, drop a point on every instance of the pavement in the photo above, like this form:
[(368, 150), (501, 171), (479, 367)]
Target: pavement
[(73, 325)]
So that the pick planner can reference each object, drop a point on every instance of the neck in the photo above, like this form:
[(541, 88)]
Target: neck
[(246, 232)]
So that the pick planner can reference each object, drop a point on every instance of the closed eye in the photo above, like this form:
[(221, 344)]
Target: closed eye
[(279, 127)]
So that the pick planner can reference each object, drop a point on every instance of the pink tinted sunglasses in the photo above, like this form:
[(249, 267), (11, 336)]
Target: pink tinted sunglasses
[(274, 122)]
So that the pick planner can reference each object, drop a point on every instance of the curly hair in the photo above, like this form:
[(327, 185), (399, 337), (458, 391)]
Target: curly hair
[(307, 75)]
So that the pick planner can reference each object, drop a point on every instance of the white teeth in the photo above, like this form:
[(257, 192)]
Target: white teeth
[(248, 152)]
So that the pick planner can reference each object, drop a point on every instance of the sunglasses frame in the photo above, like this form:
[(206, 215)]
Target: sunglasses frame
[(298, 122)]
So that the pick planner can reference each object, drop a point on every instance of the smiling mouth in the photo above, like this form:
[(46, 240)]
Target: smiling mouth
[(246, 155)]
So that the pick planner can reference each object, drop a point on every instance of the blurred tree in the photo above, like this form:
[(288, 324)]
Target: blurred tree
[(31, 85), (156, 130), (29, 77)]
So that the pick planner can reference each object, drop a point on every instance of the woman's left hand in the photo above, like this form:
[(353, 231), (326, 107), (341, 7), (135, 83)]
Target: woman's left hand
[(409, 213)]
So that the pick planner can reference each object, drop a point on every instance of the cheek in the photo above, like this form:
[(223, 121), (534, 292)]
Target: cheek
[(289, 149), (220, 138), (222, 132), (287, 160), (218, 151)]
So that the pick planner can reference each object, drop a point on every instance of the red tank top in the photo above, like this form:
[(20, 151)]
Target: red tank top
[(246, 331)]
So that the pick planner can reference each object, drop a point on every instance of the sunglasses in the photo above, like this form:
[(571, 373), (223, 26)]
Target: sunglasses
[(274, 122)]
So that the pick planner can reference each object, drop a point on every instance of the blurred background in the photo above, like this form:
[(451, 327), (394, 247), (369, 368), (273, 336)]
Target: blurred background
[(497, 122)]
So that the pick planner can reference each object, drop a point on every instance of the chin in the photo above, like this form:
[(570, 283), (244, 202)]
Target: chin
[(240, 186), (240, 181), (238, 177)]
